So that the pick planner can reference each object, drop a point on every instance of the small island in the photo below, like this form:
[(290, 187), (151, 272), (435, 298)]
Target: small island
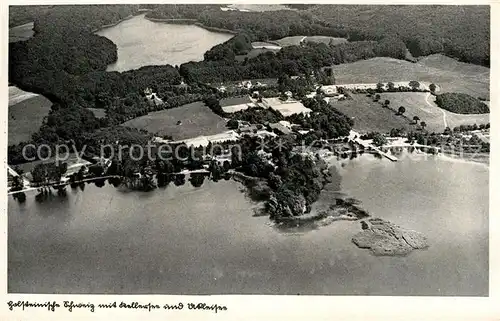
[(385, 238)]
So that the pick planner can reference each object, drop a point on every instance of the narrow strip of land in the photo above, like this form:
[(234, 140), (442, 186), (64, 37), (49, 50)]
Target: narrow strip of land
[(442, 111)]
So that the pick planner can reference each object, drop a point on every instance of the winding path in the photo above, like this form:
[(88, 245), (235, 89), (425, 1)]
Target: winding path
[(442, 111)]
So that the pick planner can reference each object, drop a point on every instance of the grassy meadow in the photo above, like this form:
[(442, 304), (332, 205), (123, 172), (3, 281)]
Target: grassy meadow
[(196, 120), (449, 74), (26, 117), (423, 105), (370, 116)]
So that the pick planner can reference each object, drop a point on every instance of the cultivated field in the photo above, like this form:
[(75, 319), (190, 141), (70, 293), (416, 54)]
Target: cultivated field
[(449, 74), (370, 116), (196, 120), (423, 106), (25, 118), (296, 40)]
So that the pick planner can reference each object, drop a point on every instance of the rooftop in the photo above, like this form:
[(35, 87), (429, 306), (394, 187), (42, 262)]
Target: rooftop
[(286, 108), (233, 101)]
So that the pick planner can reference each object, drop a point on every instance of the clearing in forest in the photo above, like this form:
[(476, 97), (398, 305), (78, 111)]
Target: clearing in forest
[(182, 122), (449, 74)]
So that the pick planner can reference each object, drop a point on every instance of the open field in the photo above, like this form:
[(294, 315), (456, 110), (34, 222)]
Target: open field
[(296, 40), (258, 7), (265, 45), (416, 105), (454, 120), (17, 95), (290, 41), (21, 33), (197, 119), (98, 112), (448, 74), (326, 40), (25, 118), (423, 106), (370, 116)]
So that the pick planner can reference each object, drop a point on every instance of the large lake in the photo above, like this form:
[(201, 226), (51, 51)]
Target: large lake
[(142, 42), (186, 240)]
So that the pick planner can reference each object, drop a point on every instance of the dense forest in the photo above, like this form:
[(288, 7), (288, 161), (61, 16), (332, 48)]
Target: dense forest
[(461, 103), (461, 32), (64, 47), (19, 15), (260, 26), (424, 29), (292, 60)]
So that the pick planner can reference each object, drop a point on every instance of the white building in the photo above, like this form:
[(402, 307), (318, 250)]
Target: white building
[(286, 108)]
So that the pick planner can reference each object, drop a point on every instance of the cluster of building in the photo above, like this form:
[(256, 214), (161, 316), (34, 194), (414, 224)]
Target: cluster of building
[(246, 84), (286, 107)]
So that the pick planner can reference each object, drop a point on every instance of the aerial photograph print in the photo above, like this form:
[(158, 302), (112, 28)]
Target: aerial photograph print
[(256, 149)]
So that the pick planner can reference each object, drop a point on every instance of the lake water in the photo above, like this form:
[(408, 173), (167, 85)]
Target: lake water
[(186, 240), (142, 42)]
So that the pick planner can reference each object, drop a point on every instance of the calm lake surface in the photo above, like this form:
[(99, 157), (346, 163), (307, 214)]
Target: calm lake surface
[(142, 42), (186, 240)]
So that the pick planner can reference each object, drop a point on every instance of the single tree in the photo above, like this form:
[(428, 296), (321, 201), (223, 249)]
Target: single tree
[(416, 119), (390, 86), (379, 139), (423, 124), (432, 87), (414, 84), (380, 87), (387, 102), (377, 97), (232, 124), (401, 110)]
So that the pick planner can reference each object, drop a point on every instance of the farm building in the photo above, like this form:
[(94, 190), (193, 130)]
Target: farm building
[(329, 90), (280, 128)]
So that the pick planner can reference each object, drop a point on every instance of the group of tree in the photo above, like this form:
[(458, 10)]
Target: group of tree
[(258, 115), (466, 128), (461, 103), (423, 30), (325, 121), (292, 60), (48, 173)]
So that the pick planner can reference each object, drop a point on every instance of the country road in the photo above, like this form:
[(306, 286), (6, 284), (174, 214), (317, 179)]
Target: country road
[(442, 111)]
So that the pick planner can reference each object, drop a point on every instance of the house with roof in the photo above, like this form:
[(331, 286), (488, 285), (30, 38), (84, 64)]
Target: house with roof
[(286, 108), (234, 104), (280, 128)]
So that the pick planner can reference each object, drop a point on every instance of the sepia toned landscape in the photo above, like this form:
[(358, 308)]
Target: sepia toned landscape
[(197, 149)]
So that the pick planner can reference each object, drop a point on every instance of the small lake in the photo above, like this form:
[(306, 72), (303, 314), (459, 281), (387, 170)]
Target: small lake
[(186, 240), (142, 42)]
